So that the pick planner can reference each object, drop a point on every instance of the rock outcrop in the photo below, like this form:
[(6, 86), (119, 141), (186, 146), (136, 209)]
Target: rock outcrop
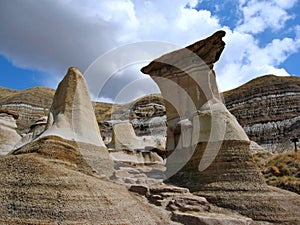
[(211, 152), (53, 179), (36, 129), (195, 93), (72, 117), (49, 182), (268, 108), (31, 104), (8, 134), (187, 208)]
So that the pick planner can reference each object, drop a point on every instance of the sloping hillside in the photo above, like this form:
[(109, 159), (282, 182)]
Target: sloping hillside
[(268, 108), (30, 104)]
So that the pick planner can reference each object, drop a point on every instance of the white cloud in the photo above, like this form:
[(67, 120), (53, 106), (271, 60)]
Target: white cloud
[(52, 35), (243, 59), (259, 15)]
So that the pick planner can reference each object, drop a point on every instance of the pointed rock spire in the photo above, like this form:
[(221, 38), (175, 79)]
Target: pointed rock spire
[(72, 115)]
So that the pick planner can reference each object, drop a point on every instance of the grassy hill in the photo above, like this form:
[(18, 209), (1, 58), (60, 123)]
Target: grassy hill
[(280, 170)]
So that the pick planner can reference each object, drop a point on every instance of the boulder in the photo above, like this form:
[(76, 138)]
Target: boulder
[(8, 134)]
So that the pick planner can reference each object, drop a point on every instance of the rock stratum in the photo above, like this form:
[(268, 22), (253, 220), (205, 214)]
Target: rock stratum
[(268, 108), (61, 171)]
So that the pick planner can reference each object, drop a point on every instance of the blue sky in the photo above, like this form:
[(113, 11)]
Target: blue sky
[(39, 40)]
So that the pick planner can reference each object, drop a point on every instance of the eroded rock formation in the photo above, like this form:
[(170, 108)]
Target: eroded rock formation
[(31, 104), (210, 152), (188, 85), (268, 108), (8, 134), (37, 128), (50, 182), (72, 115)]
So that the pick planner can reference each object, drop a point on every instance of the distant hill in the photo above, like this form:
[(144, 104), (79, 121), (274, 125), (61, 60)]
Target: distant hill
[(267, 107), (30, 104)]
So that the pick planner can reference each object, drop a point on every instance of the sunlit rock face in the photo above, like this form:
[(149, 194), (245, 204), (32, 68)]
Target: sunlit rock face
[(8, 134), (195, 110), (72, 115), (209, 152), (187, 82)]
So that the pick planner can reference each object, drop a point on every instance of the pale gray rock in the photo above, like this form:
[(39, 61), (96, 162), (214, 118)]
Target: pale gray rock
[(72, 114), (124, 137), (254, 147), (218, 124), (72, 117), (8, 134), (37, 128)]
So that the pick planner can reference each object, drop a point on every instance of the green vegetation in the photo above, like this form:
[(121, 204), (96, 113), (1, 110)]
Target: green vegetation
[(281, 170)]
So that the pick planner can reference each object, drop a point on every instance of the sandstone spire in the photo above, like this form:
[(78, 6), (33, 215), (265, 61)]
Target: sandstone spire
[(72, 115), (72, 118)]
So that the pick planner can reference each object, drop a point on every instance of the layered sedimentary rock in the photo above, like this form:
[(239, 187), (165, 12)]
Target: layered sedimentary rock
[(31, 104), (187, 208), (268, 108), (8, 134), (53, 179), (37, 128), (50, 182), (210, 152), (187, 83), (72, 117), (195, 112)]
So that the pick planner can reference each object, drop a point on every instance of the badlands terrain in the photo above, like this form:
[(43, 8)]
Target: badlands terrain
[(207, 159)]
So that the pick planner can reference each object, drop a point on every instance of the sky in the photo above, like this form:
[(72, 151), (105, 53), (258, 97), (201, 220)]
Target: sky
[(39, 40)]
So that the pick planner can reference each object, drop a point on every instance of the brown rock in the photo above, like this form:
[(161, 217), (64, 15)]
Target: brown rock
[(49, 182), (189, 203), (216, 163), (190, 219), (72, 117)]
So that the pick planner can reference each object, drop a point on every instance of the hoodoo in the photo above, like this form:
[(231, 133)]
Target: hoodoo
[(209, 152)]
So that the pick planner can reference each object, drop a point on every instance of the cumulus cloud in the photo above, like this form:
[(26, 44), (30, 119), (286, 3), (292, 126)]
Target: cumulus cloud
[(52, 35), (259, 15), (243, 59)]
